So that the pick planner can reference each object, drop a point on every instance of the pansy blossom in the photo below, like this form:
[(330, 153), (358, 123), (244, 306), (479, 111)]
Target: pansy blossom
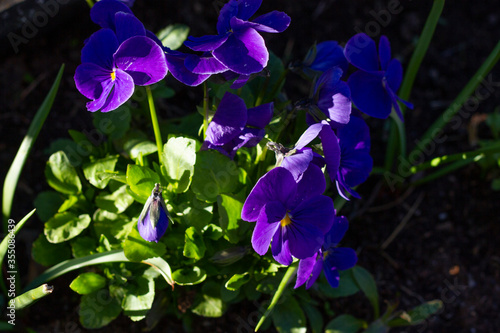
[(330, 259), (374, 86), (291, 216)]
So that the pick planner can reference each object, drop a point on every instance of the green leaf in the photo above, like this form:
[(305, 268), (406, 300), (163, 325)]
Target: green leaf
[(113, 226), (93, 171), (230, 217), (174, 35), (87, 283), (210, 304), (378, 326), (347, 285), (189, 275), (116, 202), (418, 314), (114, 124), (143, 148), (314, 317), (212, 231), (237, 280), (179, 158), (98, 309), (344, 324), (214, 174), (47, 204), (367, 284), (288, 317), (139, 298), (196, 213), (138, 249), (83, 246), (141, 180), (68, 203), (28, 298), (61, 175), (10, 183), (194, 246), (48, 254), (64, 226)]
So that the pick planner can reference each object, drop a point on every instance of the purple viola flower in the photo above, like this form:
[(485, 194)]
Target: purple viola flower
[(320, 58), (374, 86), (331, 99), (329, 259), (293, 216), (234, 126), (356, 162), (113, 63), (329, 141), (153, 221), (238, 46)]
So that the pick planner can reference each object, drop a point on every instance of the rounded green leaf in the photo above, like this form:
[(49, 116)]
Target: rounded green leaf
[(47, 204), (367, 284), (288, 317), (214, 174), (87, 283), (48, 254), (94, 171), (189, 276), (141, 180), (237, 280), (137, 249), (64, 226), (344, 324), (174, 35), (179, 157), (61, 175), (98, 309), (194, 246)]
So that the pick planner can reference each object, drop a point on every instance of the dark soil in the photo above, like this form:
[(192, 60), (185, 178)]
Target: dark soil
[(449, 248)]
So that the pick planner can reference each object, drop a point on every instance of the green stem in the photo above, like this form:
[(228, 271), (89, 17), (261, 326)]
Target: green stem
[(437, 127), (156, 126), (90, 3), (407, 84), (290, 273), (205, 110), (31, 296), (445, 170)]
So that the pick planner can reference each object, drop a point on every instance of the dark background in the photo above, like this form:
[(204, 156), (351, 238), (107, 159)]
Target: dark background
[(449, 248)]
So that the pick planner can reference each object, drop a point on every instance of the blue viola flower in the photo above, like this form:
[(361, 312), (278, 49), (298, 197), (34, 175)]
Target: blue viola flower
[(320, 58), (113, 63), (374, 86), (356, 162), (291, 216), (234, 126), (330, 259), (238, 46), (153, 221)]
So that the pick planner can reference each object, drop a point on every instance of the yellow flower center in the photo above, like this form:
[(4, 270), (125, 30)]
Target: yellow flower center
[(113, 75), (286, 221)]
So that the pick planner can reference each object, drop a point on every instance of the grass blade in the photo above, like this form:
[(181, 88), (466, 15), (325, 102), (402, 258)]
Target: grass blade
[(14, 172), (31, 296), (95, 259)]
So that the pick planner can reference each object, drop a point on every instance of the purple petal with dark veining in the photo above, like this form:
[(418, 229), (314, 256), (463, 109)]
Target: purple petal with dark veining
[(261, 115), (206, 43), (89, 79), (143, 59), (298, 163), (175, 64), (331, 150), (267, 225), (316, 212), (304, 270), (361, 52), (336, 232), (127, 25), (280, 248), (103, 12), (276, 185), (228, 121), (244, 52), (302, 238), (100, 48), (122, 91), (341, 258), (205, 64), (228, 11), (369, 95), (273, 22)]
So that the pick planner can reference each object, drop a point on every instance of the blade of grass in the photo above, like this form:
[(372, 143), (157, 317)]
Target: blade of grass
[(450, 112), (289, 274), (5, 244), (95, 259), (445, 170), (442, 160), (31, 296), (14, 172), (424, 41)]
